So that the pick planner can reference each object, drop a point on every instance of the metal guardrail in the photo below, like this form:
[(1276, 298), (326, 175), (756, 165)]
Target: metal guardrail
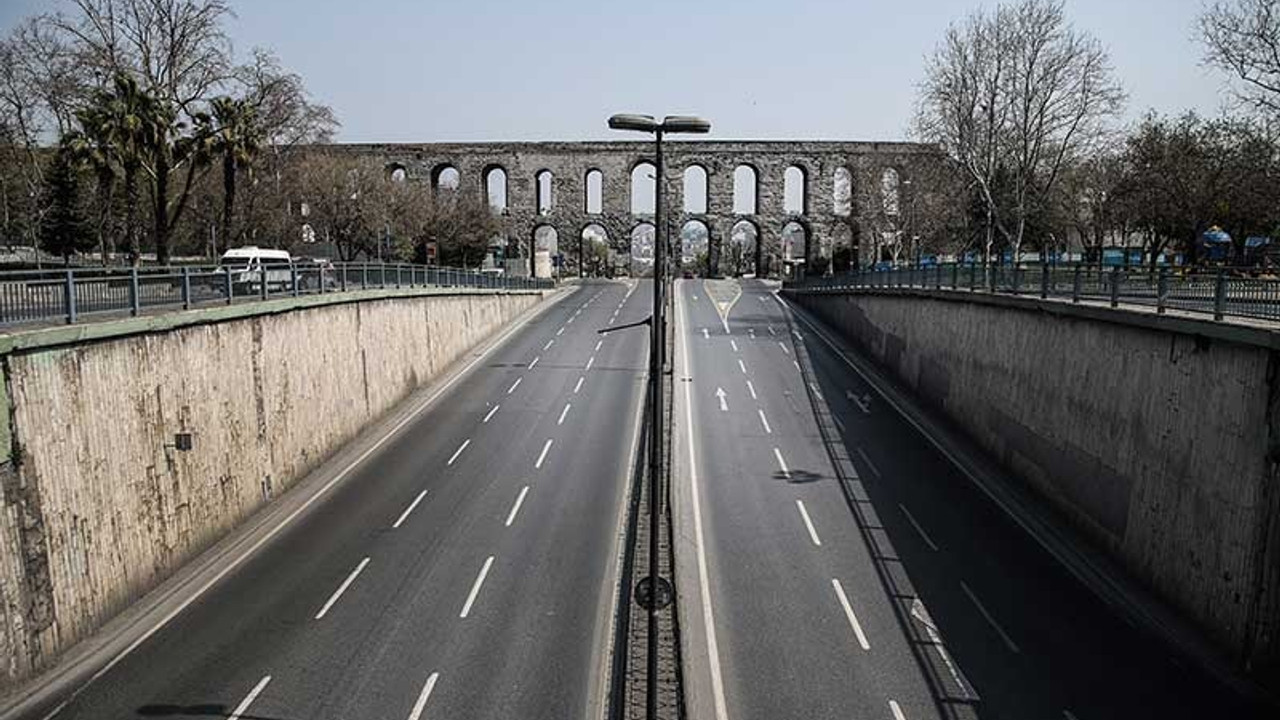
[(28, 296), (1216, 291)]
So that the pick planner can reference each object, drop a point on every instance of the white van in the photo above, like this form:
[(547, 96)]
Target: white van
[(246, 267)]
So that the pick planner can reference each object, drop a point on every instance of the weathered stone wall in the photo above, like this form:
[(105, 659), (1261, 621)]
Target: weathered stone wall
[(96, 509), (1161, 445), (569, 163)]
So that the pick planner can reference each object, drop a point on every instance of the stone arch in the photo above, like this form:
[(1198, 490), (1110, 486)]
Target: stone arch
[(695, 240), (889, 191), (544, 238), (495, 187), (693, 194), (842, 192), (397, 172), (642, 237), (740, 253), (593, 192), (591, 234), (795, 190), (544, 191), (644, 188), (746, 189), (445, 176), (794, 233)]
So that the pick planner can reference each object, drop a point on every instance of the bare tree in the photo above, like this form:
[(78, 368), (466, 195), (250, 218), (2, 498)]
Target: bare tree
[(1013, 96), (1242, 37)]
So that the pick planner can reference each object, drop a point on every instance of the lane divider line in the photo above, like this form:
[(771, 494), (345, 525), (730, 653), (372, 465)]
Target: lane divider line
[(598, 344), (591, 361), (742, 366), (475, 589), (421, 704), (752, 388), (560, 332), (511, 517), (782, 464), (784, 347), (924, 535), (1013, 647), (848, 611), (535, 362), (897, 711), (400, 520), (489, 414), (514, 385), (458, 452), (734, 344), (342, 589), (550, 342), (578, 387), (543, 455), (243, 707), (764, 421), (808, 523), (564, 412), (867, 460)]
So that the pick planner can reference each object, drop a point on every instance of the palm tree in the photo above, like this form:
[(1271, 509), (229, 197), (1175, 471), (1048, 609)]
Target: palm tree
[(236, 141), (93, 148)]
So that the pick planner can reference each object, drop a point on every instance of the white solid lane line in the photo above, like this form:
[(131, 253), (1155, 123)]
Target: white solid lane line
[(765, 422), (848, 611), (535, 362), (912, 519), (514, 385), (782, 464), (489, 414), (897, 711), (752, 388), (598, 344), (578, 387), (590, 362), (704, 584), (870, 464), (563, 412), (458, 452), (400, 520), (342, 588), (475, 589), (511, 517), (990, 620), (550, 342), (243, 707), (734, 343), (742, 366), (808, 523), (421, 704), (543, 455)]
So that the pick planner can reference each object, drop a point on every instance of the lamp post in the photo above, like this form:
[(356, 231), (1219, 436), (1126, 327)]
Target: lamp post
[(657, 361)]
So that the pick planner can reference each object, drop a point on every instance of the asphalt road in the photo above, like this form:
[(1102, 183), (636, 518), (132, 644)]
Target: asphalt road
[(463, 570), (920, 600)]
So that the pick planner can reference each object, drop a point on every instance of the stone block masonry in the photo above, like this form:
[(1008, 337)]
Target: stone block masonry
[(98, 508)]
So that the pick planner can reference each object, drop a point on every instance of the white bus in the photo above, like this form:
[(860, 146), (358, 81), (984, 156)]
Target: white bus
[(246, 266)]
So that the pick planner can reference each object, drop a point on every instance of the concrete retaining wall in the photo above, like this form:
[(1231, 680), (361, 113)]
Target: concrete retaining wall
[(96, 509), (1158, 438)]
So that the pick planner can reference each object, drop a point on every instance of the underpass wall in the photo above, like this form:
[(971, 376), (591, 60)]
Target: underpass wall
[(1156, 436), (98, 508)]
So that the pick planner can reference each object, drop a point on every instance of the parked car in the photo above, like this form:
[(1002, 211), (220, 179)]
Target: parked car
[(315, 274)]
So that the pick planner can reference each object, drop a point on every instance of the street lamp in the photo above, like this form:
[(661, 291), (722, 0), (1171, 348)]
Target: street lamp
[(657, 361)]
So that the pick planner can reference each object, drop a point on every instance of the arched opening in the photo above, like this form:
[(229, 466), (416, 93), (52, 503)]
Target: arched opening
[(889, 191), (695, 247), (793, 191), (545, 199), (740, 256), (495, 188), (842, 259), (744, 190), (842, 192), (644, 186), (397, 173), (695, 190), (642, 237), (594, 192), (446, 177), (794, 242), (593, 251), (546, 246)]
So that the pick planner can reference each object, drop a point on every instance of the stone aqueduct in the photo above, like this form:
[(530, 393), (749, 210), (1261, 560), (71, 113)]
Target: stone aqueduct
[(847, 190)]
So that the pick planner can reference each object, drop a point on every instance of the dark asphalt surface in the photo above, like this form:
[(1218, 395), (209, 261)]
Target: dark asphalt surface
[(531, 644), (962, 613)]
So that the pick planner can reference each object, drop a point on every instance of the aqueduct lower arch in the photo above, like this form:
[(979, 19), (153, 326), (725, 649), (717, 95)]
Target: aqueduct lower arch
[(830, 223)]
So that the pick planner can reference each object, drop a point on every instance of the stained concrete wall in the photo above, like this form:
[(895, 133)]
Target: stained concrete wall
[(1158, 438), (96, 510)]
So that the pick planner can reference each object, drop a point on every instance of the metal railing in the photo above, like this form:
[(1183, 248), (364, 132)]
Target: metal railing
[(1219, 292), (68, 295)]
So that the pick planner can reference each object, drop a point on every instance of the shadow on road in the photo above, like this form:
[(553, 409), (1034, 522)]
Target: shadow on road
[(214, 710)]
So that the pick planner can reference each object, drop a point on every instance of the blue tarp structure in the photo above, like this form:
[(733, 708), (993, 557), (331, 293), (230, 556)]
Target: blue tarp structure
[(1216, 244)]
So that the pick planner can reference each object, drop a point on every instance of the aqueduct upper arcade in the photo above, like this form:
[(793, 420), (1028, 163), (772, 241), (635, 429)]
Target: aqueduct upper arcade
[(820, 201)]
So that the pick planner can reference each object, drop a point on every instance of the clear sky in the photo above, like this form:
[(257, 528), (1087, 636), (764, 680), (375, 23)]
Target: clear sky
[(432, 70)]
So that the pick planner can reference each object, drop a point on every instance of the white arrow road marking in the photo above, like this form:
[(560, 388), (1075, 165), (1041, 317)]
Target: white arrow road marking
[(720, 395), (863, 403)]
